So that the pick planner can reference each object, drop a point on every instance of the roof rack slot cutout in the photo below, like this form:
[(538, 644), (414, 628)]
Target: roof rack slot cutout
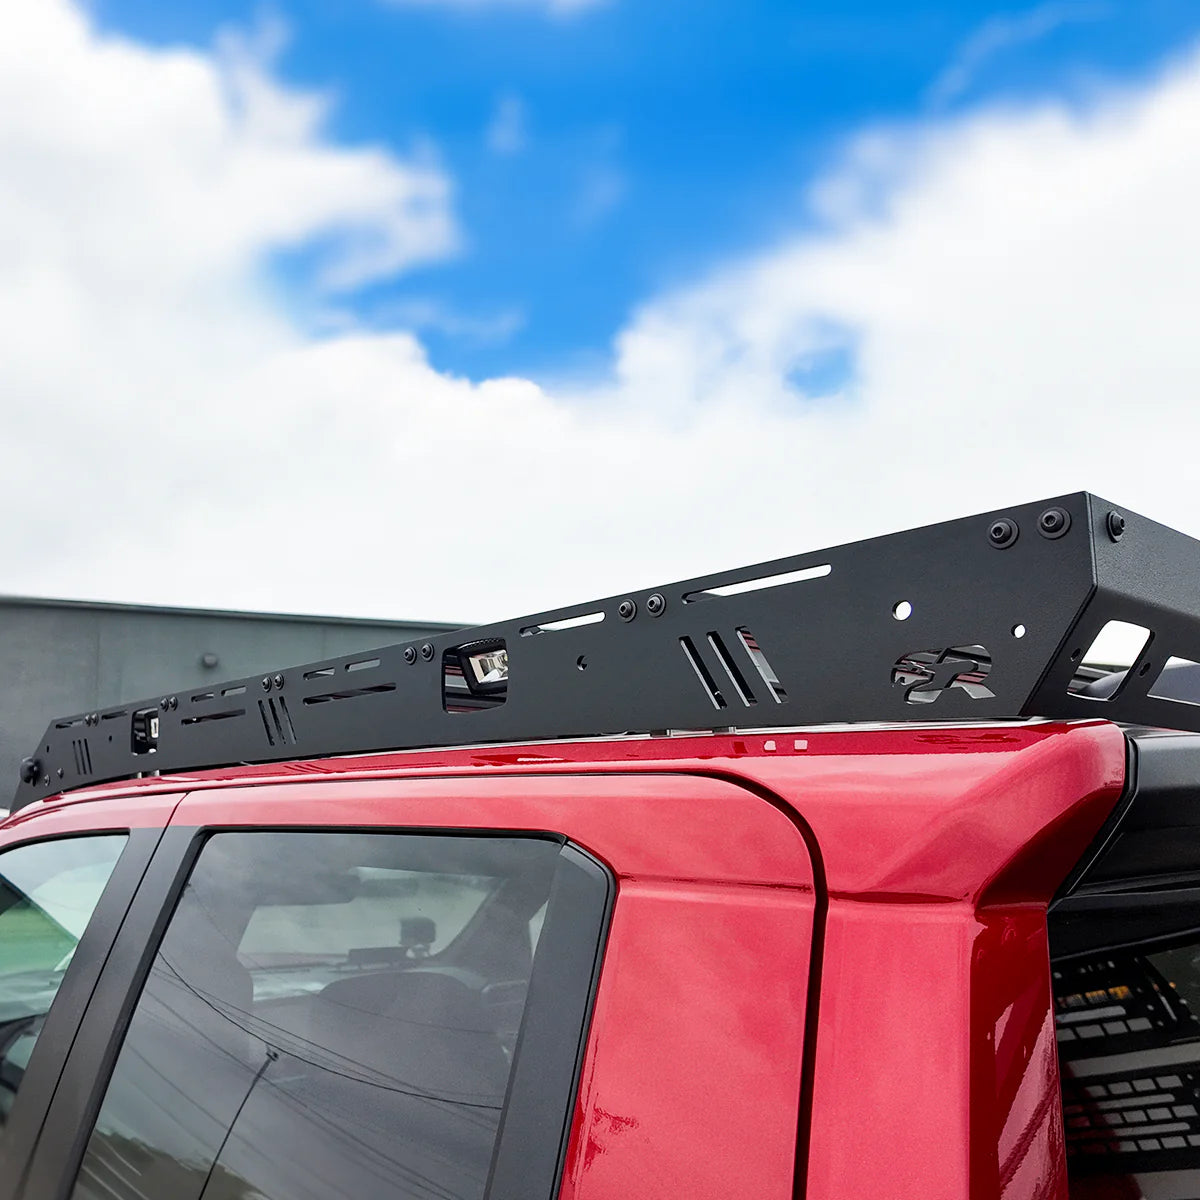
[(702, 673), (762, 664), (475, 676), (227, 715), (592, 618), (758, 583), (363, 664), (1158, 690), (1116, 649), (736, 677)]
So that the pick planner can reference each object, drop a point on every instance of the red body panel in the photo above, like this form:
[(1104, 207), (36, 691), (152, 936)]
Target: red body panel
[(927, 857)]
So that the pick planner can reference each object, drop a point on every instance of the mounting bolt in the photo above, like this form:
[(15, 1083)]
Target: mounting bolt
[(627, 610), (174, 702), (266, 683), (60, 772), (427, 651), (1002, 533), (656, 605), (410, 654), (1115, 524), (1054, 522), (279, 681), (164, 704), (31, 769)]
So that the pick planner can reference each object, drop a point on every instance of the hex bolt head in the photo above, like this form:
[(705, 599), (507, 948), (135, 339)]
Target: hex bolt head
[(1003, 532), (31, 770), (279, 681), (410, 654), (1054, 522), (164, 704), (627, 609), (174, 702), (427, 651), (656, 605), (266, 683), (1115, 524)]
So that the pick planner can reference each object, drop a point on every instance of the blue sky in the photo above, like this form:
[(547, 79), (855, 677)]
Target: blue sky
[(609, 154), (466, 308)]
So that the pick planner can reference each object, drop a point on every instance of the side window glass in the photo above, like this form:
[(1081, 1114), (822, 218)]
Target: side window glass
[(329, 1014), (48, 891), (1126, 974)]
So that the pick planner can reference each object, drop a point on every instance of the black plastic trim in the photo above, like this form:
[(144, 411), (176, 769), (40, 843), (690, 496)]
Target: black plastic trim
[(1152, 839)]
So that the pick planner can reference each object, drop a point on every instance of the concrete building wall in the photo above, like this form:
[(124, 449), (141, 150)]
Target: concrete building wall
[(61, 657)]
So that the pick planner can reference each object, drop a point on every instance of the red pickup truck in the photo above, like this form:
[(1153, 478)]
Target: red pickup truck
[(839, 877)]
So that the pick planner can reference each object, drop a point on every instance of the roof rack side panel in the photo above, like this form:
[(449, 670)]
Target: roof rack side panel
[(975, 619)]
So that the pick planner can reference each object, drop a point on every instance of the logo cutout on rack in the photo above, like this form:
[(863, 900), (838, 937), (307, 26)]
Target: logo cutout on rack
[(926, 674)]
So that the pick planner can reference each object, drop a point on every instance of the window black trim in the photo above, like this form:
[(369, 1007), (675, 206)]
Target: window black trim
[(59, 1033), (527, 1163)]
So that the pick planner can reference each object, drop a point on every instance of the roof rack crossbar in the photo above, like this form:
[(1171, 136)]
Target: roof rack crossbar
[(980, 618)]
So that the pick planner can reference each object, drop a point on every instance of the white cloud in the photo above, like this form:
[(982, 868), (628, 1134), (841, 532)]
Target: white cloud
[(1006, 32), (506, 132), (1019, 289)]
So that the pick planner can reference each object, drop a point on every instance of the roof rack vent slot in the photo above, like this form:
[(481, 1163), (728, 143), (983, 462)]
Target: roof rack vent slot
[(83, 756), (350, 693), (762, 665), (228, 714), (702, 673), (277, 721), (592, 618), (362, 664), (731, 669), (757, 584)]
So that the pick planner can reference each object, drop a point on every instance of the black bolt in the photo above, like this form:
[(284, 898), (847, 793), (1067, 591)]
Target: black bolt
[(1054, 522), (31, 769), (410, 654), (656, 605), (627, 610), (1002, 533), (427, 651), (1115, 524), (174, 703), (279, 681), (266, 683), (60, 772), (164, 704)]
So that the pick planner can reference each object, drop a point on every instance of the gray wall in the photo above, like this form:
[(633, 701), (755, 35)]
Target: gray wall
[(59, 658)]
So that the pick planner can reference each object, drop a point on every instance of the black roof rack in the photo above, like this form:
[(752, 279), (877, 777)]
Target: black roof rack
[(980, 618)]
